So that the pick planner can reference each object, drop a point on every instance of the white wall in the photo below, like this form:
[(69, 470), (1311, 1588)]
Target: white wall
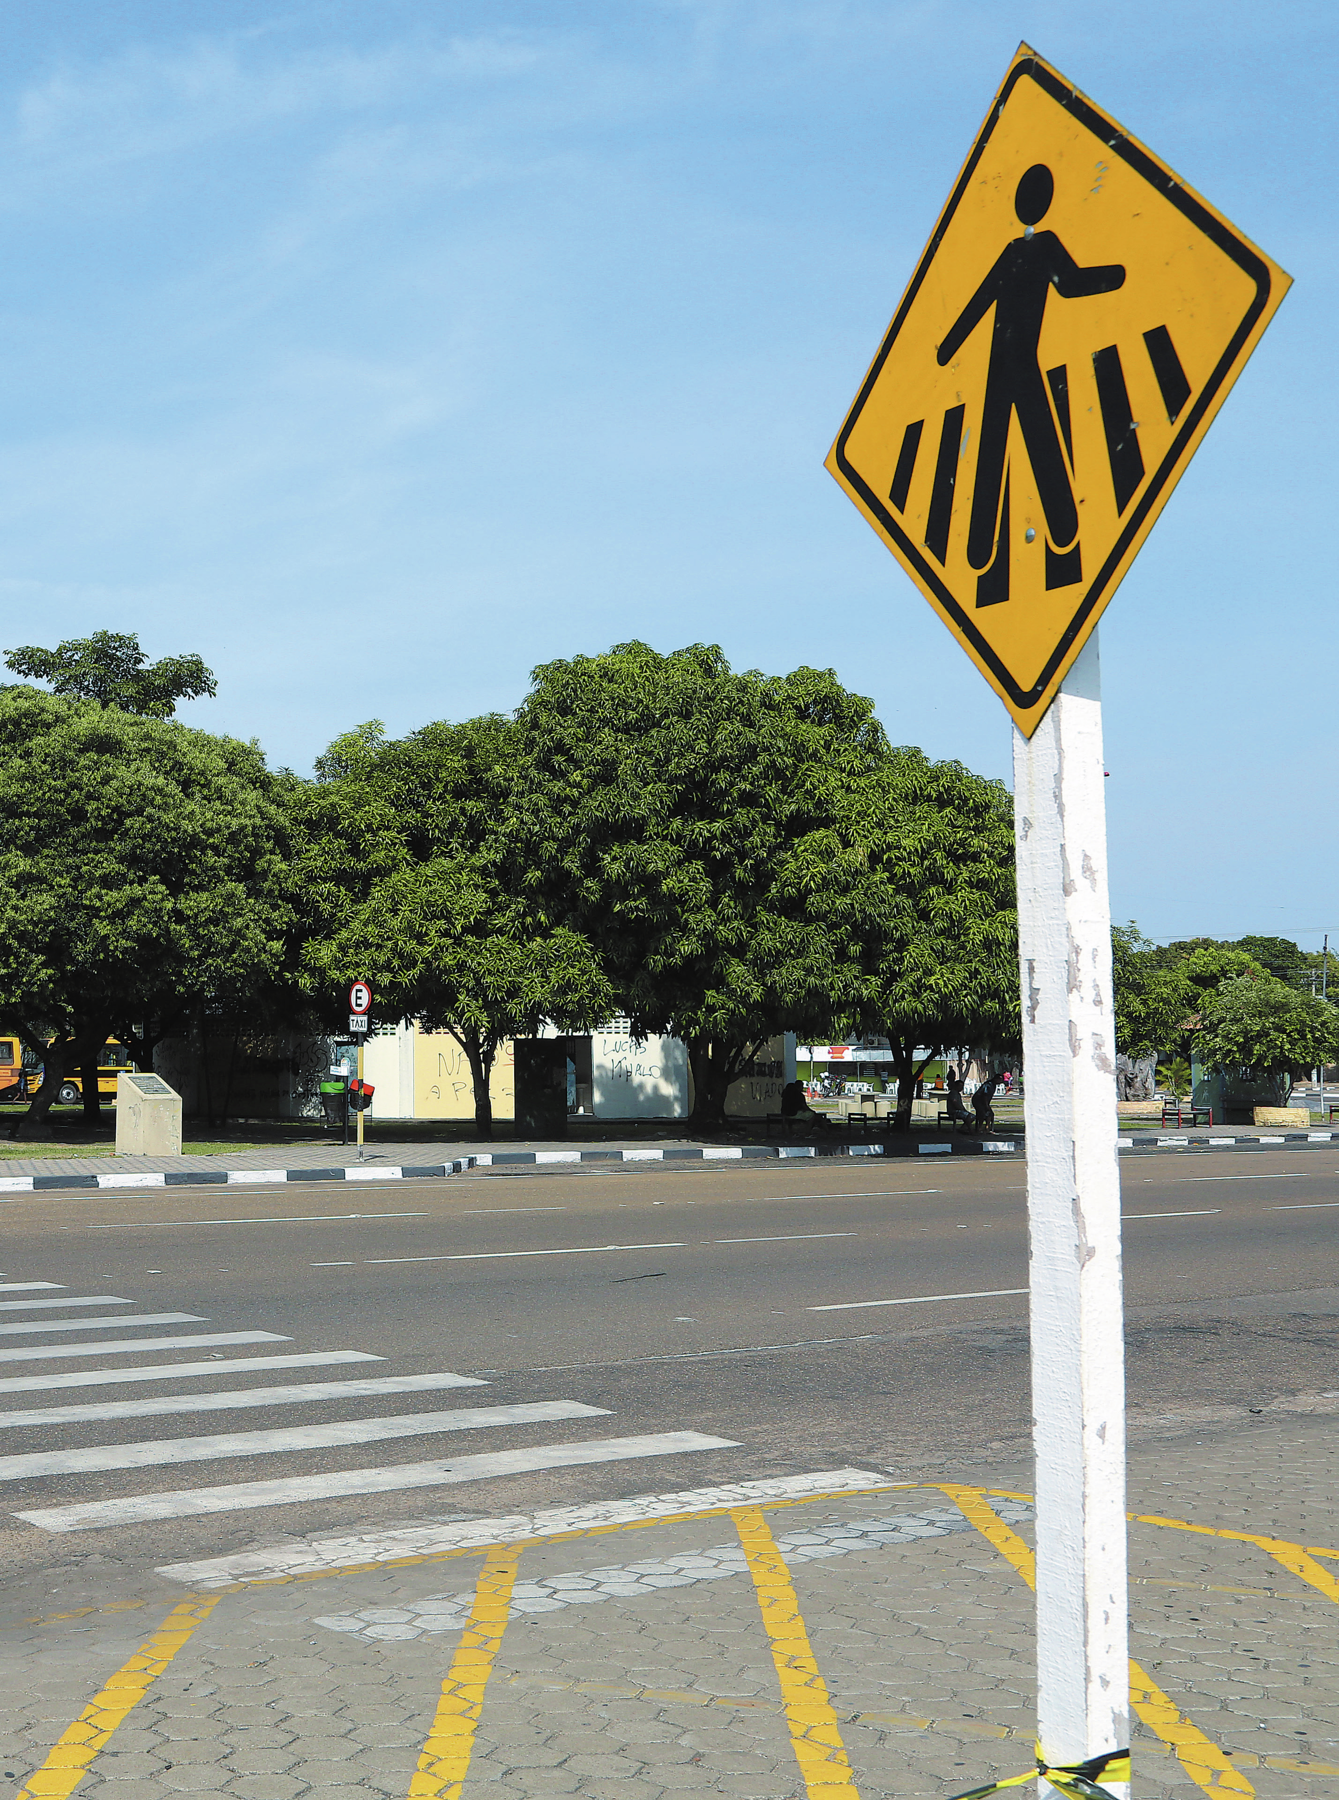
[(632, 1080), (388, 1063)]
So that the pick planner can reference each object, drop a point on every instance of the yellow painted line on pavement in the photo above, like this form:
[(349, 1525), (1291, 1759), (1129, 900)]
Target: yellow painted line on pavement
[(69, 1758), (445, 1759), (815, 1735), (1296, 1560), (1201, 1759)]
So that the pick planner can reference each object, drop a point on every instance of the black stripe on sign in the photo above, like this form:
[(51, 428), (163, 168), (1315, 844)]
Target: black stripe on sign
[(1172, 383), (946, 472), (1058, 381), (906, 464), (1127, 463)]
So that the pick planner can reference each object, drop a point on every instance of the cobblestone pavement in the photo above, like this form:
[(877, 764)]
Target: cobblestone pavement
[(874, 1643)]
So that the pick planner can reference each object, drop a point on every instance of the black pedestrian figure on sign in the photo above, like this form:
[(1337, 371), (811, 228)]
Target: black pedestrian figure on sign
[(1017, 287)]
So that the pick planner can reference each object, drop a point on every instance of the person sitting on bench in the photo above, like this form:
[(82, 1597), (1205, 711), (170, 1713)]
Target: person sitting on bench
[(956, 1106), (795, 1105)]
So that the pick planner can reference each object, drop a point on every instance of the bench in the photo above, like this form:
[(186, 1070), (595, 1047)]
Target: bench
[(775, 1121), (1180, 1112), (948, 1119), (1334, 1108)]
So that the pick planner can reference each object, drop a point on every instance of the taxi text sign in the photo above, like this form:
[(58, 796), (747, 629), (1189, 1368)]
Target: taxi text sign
[(1073, 327)]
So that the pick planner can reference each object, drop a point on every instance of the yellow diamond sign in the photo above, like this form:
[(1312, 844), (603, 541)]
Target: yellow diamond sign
[(1073, 327)]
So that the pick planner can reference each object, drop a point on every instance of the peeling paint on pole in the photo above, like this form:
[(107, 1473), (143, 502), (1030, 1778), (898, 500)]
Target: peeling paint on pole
[(1078, 1377)]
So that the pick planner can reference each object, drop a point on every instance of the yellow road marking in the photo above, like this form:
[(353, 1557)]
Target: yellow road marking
[(67, 1763), (445, 1759), (1292, 1557), (815, 1735), (1201, 1759)]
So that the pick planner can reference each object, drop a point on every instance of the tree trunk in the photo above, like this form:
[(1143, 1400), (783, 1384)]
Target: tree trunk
[(53, 1073), (88, 1078), (904, 1063), (714, 1067), (908, 1078), (480, 1060)]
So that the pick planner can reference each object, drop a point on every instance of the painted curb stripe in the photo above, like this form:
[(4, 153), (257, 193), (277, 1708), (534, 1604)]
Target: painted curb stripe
[(28, 1184)]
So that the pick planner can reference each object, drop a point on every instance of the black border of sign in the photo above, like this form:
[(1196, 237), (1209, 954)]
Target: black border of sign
[(1199, 215)]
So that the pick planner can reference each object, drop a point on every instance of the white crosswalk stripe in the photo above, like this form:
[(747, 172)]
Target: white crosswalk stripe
[(203, 1340), (65, 1300), (52, 1468), (187, 1502), (102, 1324), (288, 1437), (232, 1399), (245, 1365)]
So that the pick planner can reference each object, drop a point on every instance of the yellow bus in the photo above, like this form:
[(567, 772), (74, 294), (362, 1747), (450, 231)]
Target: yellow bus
[(20, 1079)]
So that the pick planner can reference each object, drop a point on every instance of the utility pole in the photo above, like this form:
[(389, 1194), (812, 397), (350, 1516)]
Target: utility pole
[(1078, 1355)]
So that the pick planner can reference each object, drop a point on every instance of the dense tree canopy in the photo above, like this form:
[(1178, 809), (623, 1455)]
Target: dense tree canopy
[(399, 868), (1256, 1024), (748, 855), (110, 667), (142, 875), (940, 930), (1160, 989), (686, 819)]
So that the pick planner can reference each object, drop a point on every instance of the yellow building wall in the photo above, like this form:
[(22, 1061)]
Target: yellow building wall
[(443, 1088)]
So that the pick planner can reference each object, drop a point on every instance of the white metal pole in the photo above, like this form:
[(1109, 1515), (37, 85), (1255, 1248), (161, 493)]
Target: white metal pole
[(1078, 1354)]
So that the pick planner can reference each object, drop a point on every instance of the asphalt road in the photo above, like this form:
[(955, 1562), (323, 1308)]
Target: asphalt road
[(807, 1317)]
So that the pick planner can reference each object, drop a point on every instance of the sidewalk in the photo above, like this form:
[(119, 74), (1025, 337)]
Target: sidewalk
[(829, 1635)]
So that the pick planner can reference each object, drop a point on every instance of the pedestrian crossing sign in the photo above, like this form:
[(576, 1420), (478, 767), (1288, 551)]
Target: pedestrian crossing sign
[(1074, 325)]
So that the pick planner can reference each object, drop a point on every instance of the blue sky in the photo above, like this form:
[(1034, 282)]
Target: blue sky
[(381, 351)]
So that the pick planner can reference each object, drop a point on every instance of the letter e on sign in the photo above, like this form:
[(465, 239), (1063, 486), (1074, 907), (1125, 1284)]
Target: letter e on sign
[(360, 997)]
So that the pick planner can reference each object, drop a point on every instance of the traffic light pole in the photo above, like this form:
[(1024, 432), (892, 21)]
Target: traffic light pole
[(1078, 1358)]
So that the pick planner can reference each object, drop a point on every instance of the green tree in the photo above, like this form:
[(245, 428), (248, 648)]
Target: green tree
[(142, 877), (1159, 990), (937, 921), (1255, 1024), (688, 821), (110, 667), (400, 871), (1151, 999), (1280, 957)]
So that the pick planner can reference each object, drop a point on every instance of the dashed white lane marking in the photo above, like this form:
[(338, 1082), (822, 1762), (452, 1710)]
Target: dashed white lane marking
[(234, 1399), (99, 1324), (914, 1300), (289, 1437), (1307, 1206), (633, 1581), (23, 1287), (1203, 1212), (234, 1365), (797, 1237), (426, 1538), (486, 1212), (284, 1219), (498, 1255), (131, 1346), (65, 1300), (1291, 1175), (190, 1502)]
